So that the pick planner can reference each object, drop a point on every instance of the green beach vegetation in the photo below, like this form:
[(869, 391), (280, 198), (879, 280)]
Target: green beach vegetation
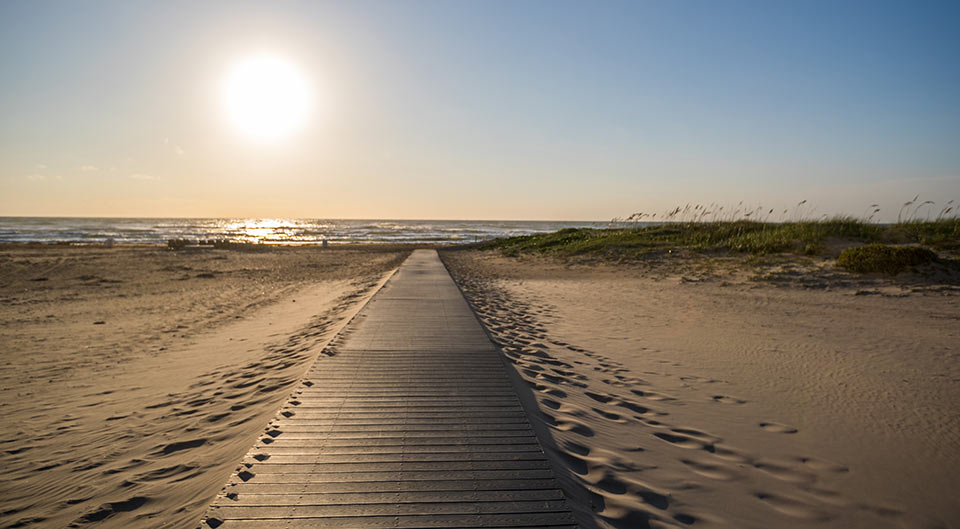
[(884, 259), (890, 247), (757, 238)]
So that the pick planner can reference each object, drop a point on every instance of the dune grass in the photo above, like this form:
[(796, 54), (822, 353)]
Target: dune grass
[(742, 236), (884, 259)]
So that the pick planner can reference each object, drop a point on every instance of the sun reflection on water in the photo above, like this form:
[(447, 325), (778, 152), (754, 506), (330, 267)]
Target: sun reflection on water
[(274, 231)]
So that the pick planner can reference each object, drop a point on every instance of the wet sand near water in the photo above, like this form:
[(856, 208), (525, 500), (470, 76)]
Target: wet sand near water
[(133, 379)]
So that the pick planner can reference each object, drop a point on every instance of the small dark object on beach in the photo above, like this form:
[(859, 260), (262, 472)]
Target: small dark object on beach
[(178, 244), (883, 259), (101, 322)]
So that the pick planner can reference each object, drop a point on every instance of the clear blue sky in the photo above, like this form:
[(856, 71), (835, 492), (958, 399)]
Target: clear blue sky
[(516, 110)]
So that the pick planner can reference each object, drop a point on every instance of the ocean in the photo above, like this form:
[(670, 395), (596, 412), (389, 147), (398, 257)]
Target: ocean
[(270, 231)]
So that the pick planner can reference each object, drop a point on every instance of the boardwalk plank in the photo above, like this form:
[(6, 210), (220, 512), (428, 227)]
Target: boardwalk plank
[(552, 520), (254, 512), (404, 449), (501, 485), (412, 497), (393, 475)]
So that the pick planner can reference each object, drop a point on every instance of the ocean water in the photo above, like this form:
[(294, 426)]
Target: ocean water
[(272, 231)]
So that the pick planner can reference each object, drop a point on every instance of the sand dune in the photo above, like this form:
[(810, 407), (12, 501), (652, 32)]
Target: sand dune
[(677, 401), (134, 379)]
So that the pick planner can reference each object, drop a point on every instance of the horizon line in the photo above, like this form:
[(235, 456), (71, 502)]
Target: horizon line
[(292, 218)]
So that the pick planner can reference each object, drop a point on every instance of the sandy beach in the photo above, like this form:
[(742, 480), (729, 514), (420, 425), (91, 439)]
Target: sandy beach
[(698, 391), (133, 379), (682, 394)]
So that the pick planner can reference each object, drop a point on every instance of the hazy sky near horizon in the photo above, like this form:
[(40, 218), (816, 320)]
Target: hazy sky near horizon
[(481, 110)]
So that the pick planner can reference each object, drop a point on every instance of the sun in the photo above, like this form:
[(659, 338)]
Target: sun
[(266, 97)]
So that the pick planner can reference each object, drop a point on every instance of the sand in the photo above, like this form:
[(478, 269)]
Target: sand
[(790, 395), (133, 380)]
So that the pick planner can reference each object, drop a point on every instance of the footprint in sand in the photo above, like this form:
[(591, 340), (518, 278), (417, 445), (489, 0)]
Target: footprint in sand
[(711, 470), (176, 447), (550, 403), (726, 399), (634, 407), (599, 398), (109, 509), (576, 464), (684, 441), (576, 448), (615, 417), (631, 503), (650, 422), (730, 454), (785, 472), (559, 393), (568, 425), (775, 427), (652, 395), (822, 465)]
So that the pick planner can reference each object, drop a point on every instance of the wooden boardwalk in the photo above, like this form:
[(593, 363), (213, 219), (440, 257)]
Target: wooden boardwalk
[(413, 423)]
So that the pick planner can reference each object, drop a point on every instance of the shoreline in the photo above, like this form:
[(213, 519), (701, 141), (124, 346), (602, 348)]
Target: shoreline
[(197, 247), (271, 231)]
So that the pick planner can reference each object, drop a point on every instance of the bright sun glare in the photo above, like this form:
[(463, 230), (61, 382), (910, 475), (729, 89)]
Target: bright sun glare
[(266, 97)]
